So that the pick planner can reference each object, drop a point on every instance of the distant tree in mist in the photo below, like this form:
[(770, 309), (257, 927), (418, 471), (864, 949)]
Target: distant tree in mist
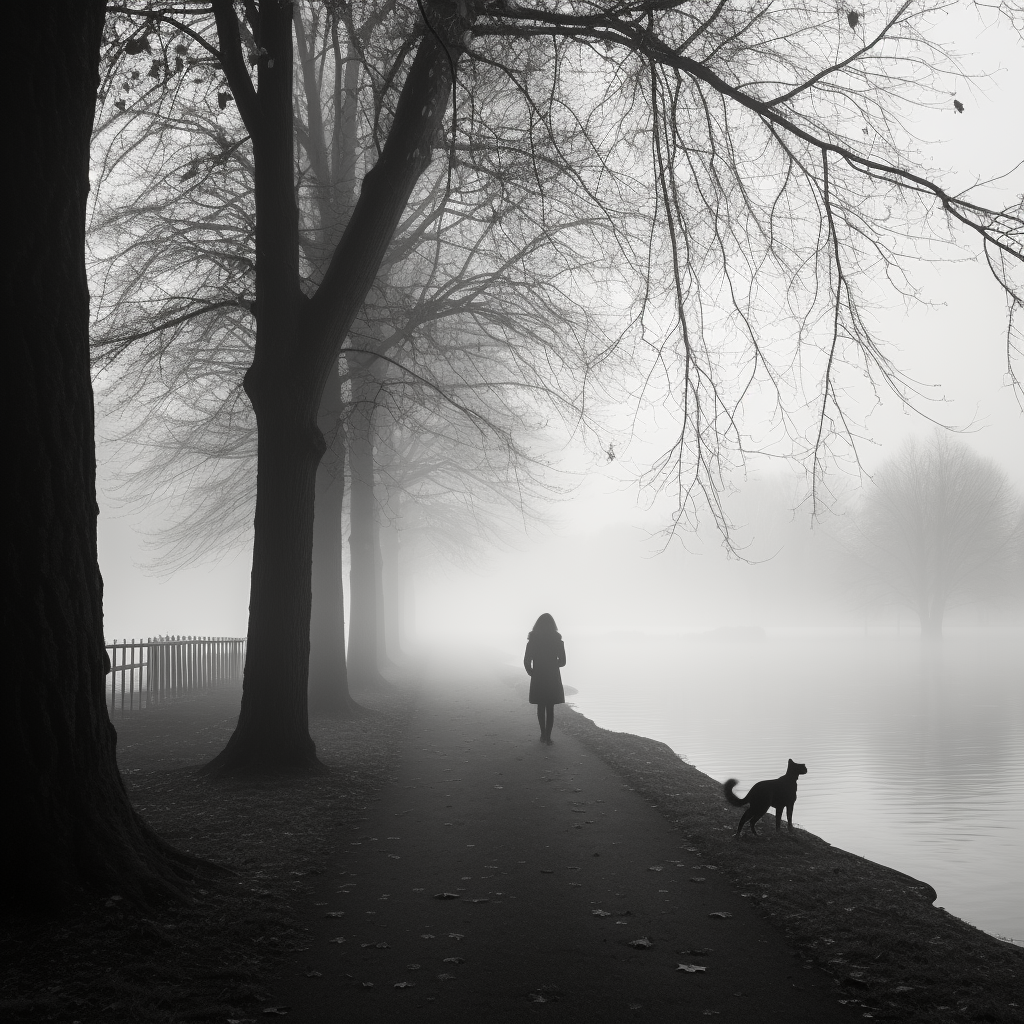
[(938, 525)]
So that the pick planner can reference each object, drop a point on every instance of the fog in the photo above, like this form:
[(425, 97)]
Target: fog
[(740, 654)]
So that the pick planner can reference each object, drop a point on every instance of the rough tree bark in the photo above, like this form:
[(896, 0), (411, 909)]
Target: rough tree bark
[(67, 818), (297, 343)]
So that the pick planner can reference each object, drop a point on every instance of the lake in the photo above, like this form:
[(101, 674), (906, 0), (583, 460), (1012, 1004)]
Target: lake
[(915, 753)]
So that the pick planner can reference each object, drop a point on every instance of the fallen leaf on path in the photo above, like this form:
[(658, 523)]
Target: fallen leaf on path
[(335, 913), (394, 837), (702, 951), (313, 974), (394, 856), (275, 1011), (404, 984), (499, 787), (412, 967), (367, 984), (601, 913), (457, 936), (459, 960), (418, 890), (446, 896), (481, 900), (547, 871), (490, 867), (720, 913), (656, 868), (643, 943), (698, 879), (426, 936), (446, 977), (339, 939), (690, 968), (536, 997)]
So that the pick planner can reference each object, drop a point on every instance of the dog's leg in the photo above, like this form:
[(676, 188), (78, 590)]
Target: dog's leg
[(743, 821), (789, 814)]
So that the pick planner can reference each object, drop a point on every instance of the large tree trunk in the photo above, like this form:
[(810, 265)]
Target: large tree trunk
[(67, 818), (364, 668), (328, 672), (273, 728), (297, 343)]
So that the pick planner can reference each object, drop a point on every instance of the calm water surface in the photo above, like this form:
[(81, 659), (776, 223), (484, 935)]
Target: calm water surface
[(915, 755)]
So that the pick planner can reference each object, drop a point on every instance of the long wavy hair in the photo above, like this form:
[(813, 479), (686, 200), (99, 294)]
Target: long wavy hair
[(544, 627)]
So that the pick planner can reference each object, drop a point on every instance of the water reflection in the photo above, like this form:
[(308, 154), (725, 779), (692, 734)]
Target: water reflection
[(916, 754)]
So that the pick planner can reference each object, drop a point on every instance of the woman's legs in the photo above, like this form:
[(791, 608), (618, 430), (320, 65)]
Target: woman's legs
[(540, 719), (549, 720)]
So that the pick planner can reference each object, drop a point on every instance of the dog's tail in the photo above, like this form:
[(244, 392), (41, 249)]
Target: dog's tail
[(731, 796)]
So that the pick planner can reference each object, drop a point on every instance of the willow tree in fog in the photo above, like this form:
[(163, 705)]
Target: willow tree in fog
[(764, 147), (939, 525)]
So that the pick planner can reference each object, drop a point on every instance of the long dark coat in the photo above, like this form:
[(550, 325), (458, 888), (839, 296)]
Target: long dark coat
[(545, 655)]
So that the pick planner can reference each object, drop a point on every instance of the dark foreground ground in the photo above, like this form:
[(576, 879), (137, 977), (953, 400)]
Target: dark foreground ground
[(558, 858)]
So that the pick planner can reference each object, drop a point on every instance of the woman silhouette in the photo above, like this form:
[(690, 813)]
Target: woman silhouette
[(545, 655)]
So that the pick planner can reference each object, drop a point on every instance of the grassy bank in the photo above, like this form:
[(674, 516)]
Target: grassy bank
[(207, 958), (873, 929)]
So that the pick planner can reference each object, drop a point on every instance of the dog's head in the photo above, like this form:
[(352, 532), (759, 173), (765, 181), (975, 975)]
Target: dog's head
[(796, 768)]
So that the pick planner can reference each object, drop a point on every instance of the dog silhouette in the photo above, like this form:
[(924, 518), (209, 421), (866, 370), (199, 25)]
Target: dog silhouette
[(778, 793)]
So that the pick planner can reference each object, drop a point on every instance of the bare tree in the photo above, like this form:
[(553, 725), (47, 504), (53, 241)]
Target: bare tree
[(765, 146), (938, 525), (473, 278)]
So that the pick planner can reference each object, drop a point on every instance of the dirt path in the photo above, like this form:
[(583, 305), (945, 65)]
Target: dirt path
[(558, 867)]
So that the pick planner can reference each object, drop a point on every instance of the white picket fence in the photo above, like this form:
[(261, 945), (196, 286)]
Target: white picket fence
[(144, 673)]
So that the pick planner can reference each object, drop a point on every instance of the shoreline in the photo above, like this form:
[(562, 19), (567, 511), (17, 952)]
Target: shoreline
[(874, 929)]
